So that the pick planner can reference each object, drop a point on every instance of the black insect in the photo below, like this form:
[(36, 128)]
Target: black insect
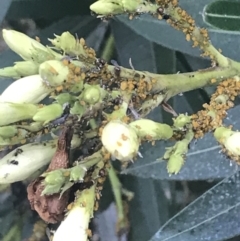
[(102, 173), (117, 68), (160, 10), (14, 162), (100, 63), (18, 151)]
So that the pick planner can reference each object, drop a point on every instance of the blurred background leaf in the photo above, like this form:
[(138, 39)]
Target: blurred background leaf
[(4, 8), (154, 46), (213, 216), (224, 15)]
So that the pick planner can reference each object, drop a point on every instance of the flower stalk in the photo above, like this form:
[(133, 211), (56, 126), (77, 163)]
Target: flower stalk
[(122, 221)]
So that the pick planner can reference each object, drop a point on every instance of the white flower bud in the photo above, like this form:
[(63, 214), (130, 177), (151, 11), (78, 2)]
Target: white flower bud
[(120, 140), (21, 43), (13, 112), (54, 72), (75, 225), (232, 144), (22, 162), (30, 89)]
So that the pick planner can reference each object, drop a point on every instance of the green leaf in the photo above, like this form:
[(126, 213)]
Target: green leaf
[(4, 8), (213, 216), (223, 15), (160, 32), (50, 10)]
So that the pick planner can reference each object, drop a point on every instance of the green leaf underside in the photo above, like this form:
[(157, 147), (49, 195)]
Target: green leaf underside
[(224, 15), (213, 216)]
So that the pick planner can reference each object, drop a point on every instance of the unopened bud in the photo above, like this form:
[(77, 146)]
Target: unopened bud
[(175, 163), (65, 98), (21, 43), (13, 112), (229, 139), (108, 7), (120, 140), (30, 89), (22, 162), (48, 113), (181, 121), (54, 72), (9, 72), (69, 44), (8, 131), (26, 68), (152, 130), (77, 173), (91, 94), (76, 223)]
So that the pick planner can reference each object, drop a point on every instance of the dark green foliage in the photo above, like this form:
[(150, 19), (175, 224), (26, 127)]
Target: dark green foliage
[(154, 46)]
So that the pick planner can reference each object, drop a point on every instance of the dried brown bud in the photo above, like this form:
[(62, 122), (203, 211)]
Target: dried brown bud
[(51, 207)]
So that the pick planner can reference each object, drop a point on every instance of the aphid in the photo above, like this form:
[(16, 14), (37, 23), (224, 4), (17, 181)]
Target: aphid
[(133, 111), (18, 151), (102, 173), (14, 162), (166, 16), (89, 233), (100, 63), (188, 37), (160, 10), (37, 39), (117, 68)]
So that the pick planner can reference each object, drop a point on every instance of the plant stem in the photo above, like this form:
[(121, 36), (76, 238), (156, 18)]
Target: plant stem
[(108, 48), (117, 191)]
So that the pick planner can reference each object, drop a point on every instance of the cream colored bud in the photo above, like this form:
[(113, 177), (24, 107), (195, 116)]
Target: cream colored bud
[(152, 130), (232, 144), (13, 112), (48, 113), (120, 140), (107, 7), (30, 89), (229, 139), (9, 72), (91, 94), (21, 44), (66, 41), (69, 44), (22, 162), (26, 68), (54, 72), (8, 131), (181, 121), (75, 225), (175, 164)]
